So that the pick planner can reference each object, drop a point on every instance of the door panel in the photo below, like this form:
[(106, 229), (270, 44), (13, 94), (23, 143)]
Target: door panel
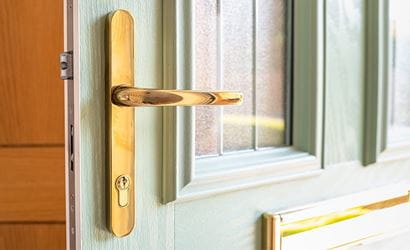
[(31, 184), (154, 221), (190, 177), (399, 241), (229, 220), (32, 203), (345, 34), (399, 69), (31, 39), (32, 236)]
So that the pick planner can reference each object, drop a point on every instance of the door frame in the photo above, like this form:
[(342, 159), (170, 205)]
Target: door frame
[(181, 179), (72, 127)]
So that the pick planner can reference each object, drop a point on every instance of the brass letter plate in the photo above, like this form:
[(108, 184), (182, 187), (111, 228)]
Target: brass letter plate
[(339, 223)]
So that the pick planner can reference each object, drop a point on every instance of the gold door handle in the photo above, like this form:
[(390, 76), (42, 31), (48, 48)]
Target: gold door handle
[(122, 94), (137, 97)]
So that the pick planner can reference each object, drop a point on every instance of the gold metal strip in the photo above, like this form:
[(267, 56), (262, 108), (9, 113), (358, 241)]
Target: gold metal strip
[(120, 125), (301, 226), (281, 224)]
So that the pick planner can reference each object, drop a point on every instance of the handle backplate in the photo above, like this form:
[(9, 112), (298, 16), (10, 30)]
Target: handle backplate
[(120, 125)]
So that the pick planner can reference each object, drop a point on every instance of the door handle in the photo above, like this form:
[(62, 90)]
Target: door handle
[(121, 95), (139, 97)]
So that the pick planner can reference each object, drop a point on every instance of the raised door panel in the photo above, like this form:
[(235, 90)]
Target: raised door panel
[(31, 104), (32, 184), (12, 235)]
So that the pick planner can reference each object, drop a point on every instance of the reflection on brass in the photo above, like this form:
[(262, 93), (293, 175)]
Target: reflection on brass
[(120, 125), (121, 94), (279, 225), (134, 97)]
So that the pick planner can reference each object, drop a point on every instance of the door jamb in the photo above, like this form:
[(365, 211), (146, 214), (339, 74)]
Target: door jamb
[(72, 128)]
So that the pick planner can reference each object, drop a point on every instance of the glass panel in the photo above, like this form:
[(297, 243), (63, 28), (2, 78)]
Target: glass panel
[(271, 75), (399, 120), (241, 45), (237, 71), (206, 76)]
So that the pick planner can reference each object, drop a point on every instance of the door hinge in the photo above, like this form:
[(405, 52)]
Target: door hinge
[(66, 65)]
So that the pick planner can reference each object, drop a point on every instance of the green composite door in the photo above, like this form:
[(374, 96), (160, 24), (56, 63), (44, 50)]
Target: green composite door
[(325, 114)]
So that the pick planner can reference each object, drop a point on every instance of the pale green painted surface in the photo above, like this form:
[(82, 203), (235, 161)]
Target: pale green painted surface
[(231, 220), (344, 80), (377, 80), (154, 228)]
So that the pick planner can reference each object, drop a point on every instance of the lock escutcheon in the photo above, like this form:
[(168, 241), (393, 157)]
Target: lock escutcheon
[(122, 184)]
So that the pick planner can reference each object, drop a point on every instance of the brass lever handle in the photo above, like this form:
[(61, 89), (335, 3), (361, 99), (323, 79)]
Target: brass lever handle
[(136, 97)]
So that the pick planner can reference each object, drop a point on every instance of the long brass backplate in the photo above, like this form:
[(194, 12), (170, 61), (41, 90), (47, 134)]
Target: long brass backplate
[(120, 125)]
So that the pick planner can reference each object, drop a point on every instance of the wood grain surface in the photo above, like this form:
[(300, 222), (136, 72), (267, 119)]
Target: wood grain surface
[(32, 184), (32, 236), (31, 103), (32, 203)]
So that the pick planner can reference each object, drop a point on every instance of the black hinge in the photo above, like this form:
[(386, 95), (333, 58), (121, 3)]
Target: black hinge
[(66, 65)]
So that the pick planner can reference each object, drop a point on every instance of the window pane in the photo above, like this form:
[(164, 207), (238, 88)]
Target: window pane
[(271, 75), (242, 45), (237, 72), (399, 86), (206, 75)]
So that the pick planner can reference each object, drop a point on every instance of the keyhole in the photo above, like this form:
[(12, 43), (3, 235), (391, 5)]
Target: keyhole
[(122, 184)]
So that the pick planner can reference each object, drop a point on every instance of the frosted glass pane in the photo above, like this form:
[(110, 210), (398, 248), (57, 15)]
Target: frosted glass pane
[(241, 45), (271, 75), (237, 72), (206, 74), (400, 71)]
